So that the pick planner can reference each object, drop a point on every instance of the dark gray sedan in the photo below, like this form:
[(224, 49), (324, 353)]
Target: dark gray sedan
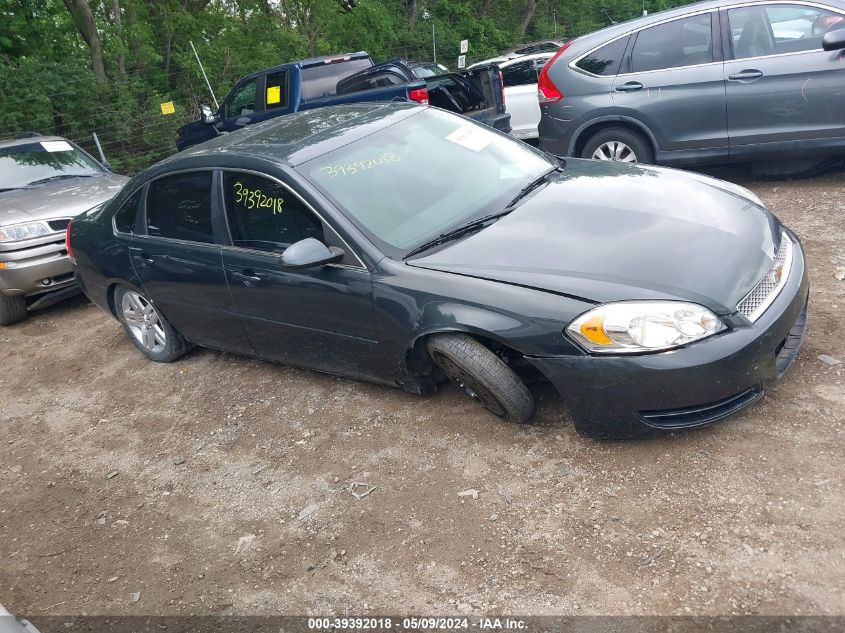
[(404, 244), (709, 82)]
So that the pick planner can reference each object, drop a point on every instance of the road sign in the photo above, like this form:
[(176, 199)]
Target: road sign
[(464, 47), (462, 61)]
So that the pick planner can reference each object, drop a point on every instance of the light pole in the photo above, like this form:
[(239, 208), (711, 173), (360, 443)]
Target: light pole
[(425, 16)]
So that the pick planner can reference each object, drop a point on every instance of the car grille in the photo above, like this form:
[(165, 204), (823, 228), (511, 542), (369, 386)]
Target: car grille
[(767, 289), (58, 225)]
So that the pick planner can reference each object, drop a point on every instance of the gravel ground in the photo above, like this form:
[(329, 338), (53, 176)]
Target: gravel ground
[(220, 484)]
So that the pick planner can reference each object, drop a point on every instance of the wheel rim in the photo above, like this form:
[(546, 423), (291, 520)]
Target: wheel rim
[(143, 322), (467, 383), (615, 151)]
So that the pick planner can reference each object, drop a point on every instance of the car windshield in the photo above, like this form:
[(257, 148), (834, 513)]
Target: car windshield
[(35, 163), (423, 176)]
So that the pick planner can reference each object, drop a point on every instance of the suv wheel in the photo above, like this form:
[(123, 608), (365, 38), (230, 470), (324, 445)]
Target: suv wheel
[(619, 145), (12, 309)]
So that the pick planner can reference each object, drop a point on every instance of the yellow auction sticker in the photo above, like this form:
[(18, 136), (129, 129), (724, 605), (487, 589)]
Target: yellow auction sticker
[(274, 94), (168, 107)]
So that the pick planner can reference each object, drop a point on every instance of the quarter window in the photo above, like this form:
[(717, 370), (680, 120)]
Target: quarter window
[(179, 207), (604, 60), (520, 74), (783, 28), (684, 42), (265, 215), (243, 101), (124, 219)]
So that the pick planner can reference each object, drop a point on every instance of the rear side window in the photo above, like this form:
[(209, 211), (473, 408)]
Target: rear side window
[(276, 90), (179, 207), (124, 219), (605, 60), (520, 74), (265, 215), (684, 42)]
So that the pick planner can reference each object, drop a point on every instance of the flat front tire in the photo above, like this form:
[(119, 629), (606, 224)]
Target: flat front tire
[(147, 328), (482, 375), (619, 145), (12, 309)]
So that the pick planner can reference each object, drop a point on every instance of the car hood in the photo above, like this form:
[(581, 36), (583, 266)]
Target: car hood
[(60, 199), (608, 232)]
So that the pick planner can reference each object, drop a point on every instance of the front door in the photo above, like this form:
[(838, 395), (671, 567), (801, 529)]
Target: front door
[(321, 318), (180, 266), (784, 93), (674, 85)]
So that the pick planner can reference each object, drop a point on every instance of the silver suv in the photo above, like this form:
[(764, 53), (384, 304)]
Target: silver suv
[(44, 182)]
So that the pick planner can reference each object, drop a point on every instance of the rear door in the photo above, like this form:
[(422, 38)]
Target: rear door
[(520, 81), (180, 266), (784, 93), (673, 84), (320, 318)]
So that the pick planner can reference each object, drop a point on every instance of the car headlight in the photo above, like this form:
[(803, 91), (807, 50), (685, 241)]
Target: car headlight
[(643, 326), (26, 231)]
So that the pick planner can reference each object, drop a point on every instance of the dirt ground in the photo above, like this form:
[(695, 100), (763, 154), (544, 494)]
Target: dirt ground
[(220, 484)]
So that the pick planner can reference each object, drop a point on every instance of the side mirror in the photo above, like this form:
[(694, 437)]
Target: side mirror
[(207, 115), (310, 253), (834, 40)]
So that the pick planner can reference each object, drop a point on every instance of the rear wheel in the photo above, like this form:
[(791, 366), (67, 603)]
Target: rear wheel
[(148, 330), (12, 309), (482, 375), (619, 145)]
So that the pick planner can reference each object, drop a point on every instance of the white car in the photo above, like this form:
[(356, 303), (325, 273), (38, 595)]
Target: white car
[(520, 79)]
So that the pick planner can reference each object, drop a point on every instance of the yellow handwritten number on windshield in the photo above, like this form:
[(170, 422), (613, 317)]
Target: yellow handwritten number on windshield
[(359, 166)]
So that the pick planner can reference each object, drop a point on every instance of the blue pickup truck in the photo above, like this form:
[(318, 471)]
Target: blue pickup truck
[(352, 78)]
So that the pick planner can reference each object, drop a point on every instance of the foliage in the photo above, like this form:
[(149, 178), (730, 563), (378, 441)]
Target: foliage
[(48, 57)]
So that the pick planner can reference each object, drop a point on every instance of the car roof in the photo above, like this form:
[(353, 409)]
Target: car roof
[(294, 138), (305, 63), (26, 140)]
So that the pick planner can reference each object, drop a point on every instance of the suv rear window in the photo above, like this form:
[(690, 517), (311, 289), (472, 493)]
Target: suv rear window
[(683, 42), (321, 80), (605, 60)]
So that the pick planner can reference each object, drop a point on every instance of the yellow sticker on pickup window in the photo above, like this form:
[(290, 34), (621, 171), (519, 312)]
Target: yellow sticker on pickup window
[(360, 166), (274, 94), (168, 108), (256, 199)]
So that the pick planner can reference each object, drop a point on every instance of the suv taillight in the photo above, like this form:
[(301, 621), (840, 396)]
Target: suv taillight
[(547, 92), (67, 241), (420, 95)]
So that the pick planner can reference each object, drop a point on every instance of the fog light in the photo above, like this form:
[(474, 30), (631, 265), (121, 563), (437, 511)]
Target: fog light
[(46, 282)]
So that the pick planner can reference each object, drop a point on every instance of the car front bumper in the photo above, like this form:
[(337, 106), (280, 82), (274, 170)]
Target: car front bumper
[(620, 397), (35, 267)]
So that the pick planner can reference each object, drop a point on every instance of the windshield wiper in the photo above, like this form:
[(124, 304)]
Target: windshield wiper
[(59, 177), (531, 186)]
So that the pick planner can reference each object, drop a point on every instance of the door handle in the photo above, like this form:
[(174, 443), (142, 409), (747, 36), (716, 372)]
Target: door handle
[(631, 86), (248, 278), (746, 75), (141, 257)]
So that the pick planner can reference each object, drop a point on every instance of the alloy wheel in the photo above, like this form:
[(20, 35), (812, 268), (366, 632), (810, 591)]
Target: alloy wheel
[(143, 322), (615, 151)]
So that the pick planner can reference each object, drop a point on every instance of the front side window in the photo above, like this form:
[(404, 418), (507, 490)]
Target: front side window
[(39, 163), (276, 90), (265, 215), (243, 101), (422, 176), (604, 60), (124, 219), (684, 42), (179, 207), (782, 28), (520, 74)]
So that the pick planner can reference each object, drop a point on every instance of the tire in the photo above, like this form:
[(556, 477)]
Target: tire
[(12, 309), (482, 375), (638, 148), (147, 328)]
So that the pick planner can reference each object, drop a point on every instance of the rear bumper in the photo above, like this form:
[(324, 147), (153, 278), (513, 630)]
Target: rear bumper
[(554, 133), (635, 396), (36, 269)]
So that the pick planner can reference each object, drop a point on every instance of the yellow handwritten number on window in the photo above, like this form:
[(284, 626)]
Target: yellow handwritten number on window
[(256, 199)]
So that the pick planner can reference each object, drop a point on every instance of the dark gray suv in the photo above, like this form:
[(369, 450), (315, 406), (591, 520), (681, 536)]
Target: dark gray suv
[(710, 82)]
